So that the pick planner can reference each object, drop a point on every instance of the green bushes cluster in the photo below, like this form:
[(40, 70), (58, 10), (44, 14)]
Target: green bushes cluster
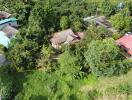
[(62, 69)]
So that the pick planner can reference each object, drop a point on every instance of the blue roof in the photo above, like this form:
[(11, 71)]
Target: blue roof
[(4, 40), (8, 20)]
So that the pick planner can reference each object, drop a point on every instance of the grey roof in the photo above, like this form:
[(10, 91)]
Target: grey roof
[(102, 21), (9, 31)]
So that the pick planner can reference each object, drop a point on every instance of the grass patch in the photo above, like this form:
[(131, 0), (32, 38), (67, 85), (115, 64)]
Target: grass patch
[(90, 80), (111, 88)]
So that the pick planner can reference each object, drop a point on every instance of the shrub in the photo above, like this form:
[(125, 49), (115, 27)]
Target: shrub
[(68, 64), (104, 58), (125, 88), (122, 20), (64, 22)]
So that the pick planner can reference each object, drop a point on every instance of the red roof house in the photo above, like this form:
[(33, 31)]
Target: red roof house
[(125, 42)]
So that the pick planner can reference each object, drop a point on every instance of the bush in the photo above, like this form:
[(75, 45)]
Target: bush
[(107, 8), (97, 33), (77, 26), (23, 55), (64, 22), (125, 88), (116, 36), (46, 61), (49, 86), (68, 65), (122, 20), (104, 58), (6, 84)]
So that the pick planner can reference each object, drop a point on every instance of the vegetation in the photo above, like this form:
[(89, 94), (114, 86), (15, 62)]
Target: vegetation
[(122, 20), (37, 71), (104, 57)]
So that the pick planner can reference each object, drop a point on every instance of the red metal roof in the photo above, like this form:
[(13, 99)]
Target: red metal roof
[(126, 41)]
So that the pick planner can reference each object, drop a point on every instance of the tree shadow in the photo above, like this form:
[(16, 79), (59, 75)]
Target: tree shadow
[(39, 97)]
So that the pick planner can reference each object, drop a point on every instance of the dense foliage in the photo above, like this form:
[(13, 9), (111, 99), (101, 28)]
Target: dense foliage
[(37, 71), (122, 20)]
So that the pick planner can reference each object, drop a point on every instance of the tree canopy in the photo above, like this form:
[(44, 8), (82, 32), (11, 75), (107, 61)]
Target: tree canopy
[(34, 70)]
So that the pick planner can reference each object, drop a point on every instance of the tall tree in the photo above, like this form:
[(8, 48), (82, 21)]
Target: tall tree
[(103, 57), (68, 65), (23, 55)]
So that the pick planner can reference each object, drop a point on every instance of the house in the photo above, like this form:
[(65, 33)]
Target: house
[(4, 40), (65, 37), (102, 21), (9, 31), (125, 42), (10, 21), (4, 15)]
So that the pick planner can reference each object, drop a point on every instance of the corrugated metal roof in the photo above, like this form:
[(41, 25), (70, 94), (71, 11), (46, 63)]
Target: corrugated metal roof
[(4, 40), (8, 20)]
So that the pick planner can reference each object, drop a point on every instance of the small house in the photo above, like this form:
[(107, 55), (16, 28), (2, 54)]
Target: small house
[(102, 21), (125, 42), (65, 37), (9, 31), (4, 40), (10, 21), (4, 15)]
